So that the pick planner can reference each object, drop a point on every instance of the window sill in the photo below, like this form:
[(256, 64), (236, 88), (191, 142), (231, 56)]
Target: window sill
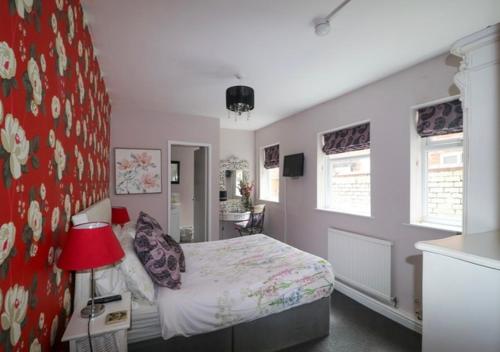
[(344, 213), (269, 201), (440, 227)]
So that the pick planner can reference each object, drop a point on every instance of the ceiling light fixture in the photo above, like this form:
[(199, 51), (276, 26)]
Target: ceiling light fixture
[(322, 26), (239, 100)]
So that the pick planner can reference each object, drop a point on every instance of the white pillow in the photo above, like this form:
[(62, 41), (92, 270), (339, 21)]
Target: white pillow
[(110, 281), (137, 279)]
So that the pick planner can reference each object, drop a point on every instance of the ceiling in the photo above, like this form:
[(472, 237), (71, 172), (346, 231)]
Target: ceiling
[(179, 56)]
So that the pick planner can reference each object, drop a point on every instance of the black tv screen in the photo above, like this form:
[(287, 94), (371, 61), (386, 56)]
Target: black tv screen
[(294, 165)]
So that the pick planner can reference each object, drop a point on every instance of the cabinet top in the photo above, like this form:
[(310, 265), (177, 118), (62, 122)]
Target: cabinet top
[(478, 248)]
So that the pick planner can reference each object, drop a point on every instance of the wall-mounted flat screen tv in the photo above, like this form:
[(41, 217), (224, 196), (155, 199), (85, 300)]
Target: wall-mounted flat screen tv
[(293, 165)]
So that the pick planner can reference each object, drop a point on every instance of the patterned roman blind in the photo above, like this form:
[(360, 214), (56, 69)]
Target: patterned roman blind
[(347, 139), (439, 119), (272, 156)]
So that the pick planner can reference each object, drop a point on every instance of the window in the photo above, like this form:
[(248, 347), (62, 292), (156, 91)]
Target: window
[(269, 185), (344, 171), (443, 173), (437, 189)]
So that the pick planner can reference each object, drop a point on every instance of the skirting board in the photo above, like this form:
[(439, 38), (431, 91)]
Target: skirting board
[(379, 307)]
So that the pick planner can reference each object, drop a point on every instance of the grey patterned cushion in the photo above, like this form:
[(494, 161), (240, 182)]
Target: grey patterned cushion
[(178, 249), (157, 252), (146, 222)]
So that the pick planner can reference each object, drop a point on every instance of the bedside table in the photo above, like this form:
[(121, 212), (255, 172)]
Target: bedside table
[(105, 338)]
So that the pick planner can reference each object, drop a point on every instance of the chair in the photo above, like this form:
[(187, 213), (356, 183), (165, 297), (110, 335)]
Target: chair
[(255, 224)]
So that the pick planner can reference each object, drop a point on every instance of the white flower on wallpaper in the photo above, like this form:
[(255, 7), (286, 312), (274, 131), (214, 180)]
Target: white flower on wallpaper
[(71, 24), (60, 159), (81, 88), (35, 346), (7, 61), (60, 4), (54, 220), (53, 23), (35, 219), (67, 211), (52, 138), (53, 330), (67, 301), (43, 191), (15, 143), (15, 306), (36, 84), (80, 164), (91, 167), (56, 107), (22, 6), (62, 59), (7, 238), (68, 116), (41, 320), (137, 171), (43, 63)]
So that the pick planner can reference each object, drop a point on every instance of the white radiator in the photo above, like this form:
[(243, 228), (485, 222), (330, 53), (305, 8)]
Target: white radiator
[(361, 262)]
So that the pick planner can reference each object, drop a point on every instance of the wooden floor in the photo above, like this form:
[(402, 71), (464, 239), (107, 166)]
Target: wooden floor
[(355, 328)]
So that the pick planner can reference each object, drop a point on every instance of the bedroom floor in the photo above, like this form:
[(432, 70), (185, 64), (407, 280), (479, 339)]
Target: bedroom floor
[(355, 328)]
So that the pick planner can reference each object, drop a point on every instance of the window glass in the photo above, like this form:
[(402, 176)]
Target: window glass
[(346, 182)]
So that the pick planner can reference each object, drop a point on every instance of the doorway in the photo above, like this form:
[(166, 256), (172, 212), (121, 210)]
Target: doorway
[(189, 191)]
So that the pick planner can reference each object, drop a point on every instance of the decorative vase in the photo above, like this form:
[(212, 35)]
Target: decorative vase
[(247, 203)]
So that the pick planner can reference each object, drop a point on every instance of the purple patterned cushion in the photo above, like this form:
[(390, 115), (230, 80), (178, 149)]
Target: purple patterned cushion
[(178, 249), (146, 221), (162, 264)]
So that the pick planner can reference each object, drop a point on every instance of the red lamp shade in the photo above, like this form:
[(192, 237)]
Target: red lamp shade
[(119, 215), (89, 246)]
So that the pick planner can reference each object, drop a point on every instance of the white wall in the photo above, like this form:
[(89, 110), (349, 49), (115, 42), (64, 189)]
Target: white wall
[(386, 104), (185, 188), (238, 143), (135, 128)]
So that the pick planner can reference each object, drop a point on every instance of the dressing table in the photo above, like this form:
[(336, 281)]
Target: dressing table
[(232, 171)]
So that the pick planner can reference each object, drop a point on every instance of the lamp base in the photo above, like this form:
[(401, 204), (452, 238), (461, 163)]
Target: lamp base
[(88, 312)]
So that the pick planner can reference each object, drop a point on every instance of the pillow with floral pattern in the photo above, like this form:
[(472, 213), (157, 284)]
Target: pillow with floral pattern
[(160, 260)]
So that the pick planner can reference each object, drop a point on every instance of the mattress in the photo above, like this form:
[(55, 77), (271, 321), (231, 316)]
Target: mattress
[(145, 322), (228, 282)]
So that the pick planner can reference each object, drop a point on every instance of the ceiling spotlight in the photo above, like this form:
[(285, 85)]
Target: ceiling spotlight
[(322, 26)]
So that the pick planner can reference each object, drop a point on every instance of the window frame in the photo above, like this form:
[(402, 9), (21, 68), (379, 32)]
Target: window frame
[(262, 169), (427, 146), (418, 166), (322, 171)]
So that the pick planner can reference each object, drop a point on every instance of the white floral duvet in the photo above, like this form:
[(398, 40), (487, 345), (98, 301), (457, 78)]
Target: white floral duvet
[(241, 279)]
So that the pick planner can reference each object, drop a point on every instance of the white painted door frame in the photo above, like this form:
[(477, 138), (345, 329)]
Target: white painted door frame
[(208, 233)]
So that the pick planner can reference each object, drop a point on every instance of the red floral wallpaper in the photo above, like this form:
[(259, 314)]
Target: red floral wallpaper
[(54, 161)]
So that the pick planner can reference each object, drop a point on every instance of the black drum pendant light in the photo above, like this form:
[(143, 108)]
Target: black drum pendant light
[(239, 100)]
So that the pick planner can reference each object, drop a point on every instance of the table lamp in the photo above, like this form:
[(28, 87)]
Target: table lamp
[(90, 246), (119, 215)]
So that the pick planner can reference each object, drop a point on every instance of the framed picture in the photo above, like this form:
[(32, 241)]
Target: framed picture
[(175, 172), (137, 171)]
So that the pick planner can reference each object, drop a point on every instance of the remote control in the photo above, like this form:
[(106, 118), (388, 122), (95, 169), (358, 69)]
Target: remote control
[(106, 299)]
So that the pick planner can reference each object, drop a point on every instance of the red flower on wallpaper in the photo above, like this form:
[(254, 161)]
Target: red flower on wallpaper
[(54, 161)]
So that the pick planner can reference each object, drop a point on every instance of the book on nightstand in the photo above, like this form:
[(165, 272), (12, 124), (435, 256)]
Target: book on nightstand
[(116, 317)]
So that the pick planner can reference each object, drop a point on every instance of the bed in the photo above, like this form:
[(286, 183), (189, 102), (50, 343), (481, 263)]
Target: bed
[(234, 293)]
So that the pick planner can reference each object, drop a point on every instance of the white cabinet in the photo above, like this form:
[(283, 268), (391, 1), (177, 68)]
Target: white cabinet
[(105, 337), (461, 274), (175, 223), (461, 293)]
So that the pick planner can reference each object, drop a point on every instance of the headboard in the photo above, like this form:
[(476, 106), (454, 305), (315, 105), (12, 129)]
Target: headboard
[(100, 211)]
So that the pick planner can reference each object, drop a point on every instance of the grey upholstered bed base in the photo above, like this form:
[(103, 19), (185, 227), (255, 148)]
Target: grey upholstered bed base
[(271, 333)]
